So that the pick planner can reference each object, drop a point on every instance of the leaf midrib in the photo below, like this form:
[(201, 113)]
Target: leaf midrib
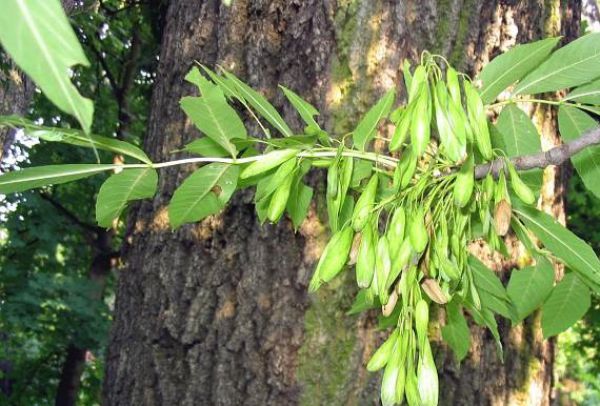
[(556, 72), (265, 110), (57, 175), (224, 140), (590, 266), (580, 131), (379, 111), (488, 87), (203, 195), (54, 69)]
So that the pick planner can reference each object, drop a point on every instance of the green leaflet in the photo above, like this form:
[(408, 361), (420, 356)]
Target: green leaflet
[(304, 108), (208, 148), (529, 287), (507, 68), (261, 105), (518, 136), (30, 178), (365, 130), (589, 93), (215, 117), (117, 190), (571, 65), (572, 123), (75, 137), (569, 248), (486, 279), (567, 303), (38, 36), (195, 77), (204, 192), (226, 85), (456, 332)]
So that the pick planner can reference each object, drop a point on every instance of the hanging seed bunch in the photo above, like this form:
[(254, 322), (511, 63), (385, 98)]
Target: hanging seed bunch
[(402, 217), (414, 228)]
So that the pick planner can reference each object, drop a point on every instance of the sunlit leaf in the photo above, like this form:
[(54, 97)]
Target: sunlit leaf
[(75, 137), (569, 248), (38, 36), (365, 130), (589, 93), (518, 136), (261, 105), (567, 303), (121, 188), (216, 118), (456, 332), (204, 192), (304, 108), (486, 279), (511, 66), (529, 287), (572, 123), (571, 65), (30, 178)]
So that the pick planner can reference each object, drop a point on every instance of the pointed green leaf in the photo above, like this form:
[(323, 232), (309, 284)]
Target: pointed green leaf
[(569, 248), (295, 141), (567, 303), (518, 136), (572, 123), (30, 178), (529, 287), (304, 108), (571, 65), (215, 118), (38, 36), (121, 188), (204, 192), (365, 130), (75, 137), (226, 85), (456, 332), (486, 279), (504, 308), (261, 105), (507, 68), (589, 93), (208, 148)]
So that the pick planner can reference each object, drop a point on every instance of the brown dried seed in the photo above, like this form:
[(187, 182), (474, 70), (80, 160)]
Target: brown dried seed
[(502, 217), (388, 308), (434, 291), (354, 250)]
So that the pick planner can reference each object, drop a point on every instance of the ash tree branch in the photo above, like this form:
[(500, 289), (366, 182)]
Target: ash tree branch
[(554, 156), (70, 215)]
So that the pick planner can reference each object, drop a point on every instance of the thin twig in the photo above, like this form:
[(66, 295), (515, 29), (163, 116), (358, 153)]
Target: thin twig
[(69, 214), (554, 156)]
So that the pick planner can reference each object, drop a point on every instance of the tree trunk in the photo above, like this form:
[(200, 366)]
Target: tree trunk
[(16, 91), (217, 313)]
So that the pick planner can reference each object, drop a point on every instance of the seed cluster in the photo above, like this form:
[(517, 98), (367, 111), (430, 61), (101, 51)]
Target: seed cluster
[(411, 232)]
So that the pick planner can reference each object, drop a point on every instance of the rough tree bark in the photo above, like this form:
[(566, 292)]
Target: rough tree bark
[(217, 313)]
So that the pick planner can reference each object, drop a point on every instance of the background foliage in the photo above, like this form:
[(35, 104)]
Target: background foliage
[(46, 295)]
